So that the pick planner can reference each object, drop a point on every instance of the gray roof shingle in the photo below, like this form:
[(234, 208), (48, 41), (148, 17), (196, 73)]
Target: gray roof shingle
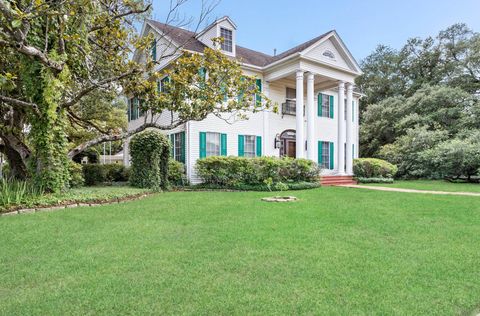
[(188, 41)]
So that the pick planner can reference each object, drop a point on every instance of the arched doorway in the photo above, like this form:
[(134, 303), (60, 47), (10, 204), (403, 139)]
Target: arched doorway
[(289, 148)]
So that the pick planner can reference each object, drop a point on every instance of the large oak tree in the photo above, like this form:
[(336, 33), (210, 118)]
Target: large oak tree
[(59, 57)]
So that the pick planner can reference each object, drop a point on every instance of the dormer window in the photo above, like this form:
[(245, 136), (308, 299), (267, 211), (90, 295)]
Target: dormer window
[(227, 44)]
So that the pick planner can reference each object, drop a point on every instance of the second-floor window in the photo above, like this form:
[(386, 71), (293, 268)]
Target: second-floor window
[(325, 108), (227, 35), (162, 85)]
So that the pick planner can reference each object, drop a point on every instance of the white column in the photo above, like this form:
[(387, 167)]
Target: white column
[(349, 125), (300, 140), (126, 152), (341, 128), (266, 143), (310, 117)]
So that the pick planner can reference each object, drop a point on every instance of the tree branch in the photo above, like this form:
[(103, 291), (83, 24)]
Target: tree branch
[(119, 16), (106, 138), (20, 103), (101, 83)]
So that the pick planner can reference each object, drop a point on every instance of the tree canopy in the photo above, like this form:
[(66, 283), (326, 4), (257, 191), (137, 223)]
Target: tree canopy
[(422, 99), (64, 64)]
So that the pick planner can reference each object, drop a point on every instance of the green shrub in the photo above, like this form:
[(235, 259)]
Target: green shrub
[(375, 180), (265, 171), (150, 152), (176, 173), (95, 174), (76, 175), (116, 173), (258, 187), (373, 168)]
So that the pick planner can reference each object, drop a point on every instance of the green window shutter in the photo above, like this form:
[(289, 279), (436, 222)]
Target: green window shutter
[(332, 164), (241, 145), (135, 109), (172, 145), (203, 144), (223, 144), (202, 72), (240, 95), (353, 151), (332, 107), (154, 49), (182, 155), (257, 96), (320, 152), (129, 103), (159, 86), (319, 107), (259, 146)]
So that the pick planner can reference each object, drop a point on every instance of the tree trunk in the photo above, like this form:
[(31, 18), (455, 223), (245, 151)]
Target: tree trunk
[(17, 154)]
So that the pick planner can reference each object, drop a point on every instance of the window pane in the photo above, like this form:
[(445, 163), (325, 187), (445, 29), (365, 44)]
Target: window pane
[(325, 105), (228, 40), (177, 154), (213, 144), (326, 155), (249, 148)]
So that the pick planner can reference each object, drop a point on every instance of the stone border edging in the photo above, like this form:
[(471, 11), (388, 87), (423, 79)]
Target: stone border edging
[(78, 204)]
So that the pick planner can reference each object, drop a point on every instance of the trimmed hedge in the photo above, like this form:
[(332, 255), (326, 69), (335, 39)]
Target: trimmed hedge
[(257, 187), (95, 174), (150, 152), (373, 168), (268, 171), (375, 180)]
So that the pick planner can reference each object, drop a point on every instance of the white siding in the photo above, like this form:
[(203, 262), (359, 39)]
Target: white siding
[(206, 38)]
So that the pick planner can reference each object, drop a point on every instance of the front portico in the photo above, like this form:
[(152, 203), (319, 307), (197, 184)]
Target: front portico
[(309, 124)]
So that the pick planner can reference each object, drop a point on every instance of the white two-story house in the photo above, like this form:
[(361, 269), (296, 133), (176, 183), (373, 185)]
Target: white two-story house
[(313, 84)]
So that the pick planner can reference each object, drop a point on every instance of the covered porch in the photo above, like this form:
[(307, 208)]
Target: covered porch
[(304, 82)]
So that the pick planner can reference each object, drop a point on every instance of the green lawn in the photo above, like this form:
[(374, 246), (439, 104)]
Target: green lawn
[(336, 251), (434, 185)]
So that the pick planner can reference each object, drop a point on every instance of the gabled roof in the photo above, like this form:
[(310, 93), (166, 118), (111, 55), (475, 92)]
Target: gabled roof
[(179, 36), (225, 18), (298, 49), (189, 41)]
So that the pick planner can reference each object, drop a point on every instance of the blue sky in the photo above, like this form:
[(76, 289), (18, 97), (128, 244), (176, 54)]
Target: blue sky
[(363, 24)]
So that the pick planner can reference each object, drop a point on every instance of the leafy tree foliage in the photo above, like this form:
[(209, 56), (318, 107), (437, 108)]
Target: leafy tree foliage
[(423, 100), (64, 62)]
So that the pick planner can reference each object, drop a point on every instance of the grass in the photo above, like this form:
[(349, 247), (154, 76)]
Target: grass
[(76, 195), (336, 251), (431, 185)]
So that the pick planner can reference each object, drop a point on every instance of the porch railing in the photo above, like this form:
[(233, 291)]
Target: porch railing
[(290, 107)]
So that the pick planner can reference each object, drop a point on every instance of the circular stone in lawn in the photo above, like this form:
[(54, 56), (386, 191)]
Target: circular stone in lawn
[(280, 199)]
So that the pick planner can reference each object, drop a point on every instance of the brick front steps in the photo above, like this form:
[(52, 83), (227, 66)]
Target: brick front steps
[(337, 180)]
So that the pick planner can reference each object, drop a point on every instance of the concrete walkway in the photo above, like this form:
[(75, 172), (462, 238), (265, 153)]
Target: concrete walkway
[(368, 187)]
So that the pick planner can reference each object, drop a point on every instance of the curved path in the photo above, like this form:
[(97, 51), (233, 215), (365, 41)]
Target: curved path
[(368, 187)]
